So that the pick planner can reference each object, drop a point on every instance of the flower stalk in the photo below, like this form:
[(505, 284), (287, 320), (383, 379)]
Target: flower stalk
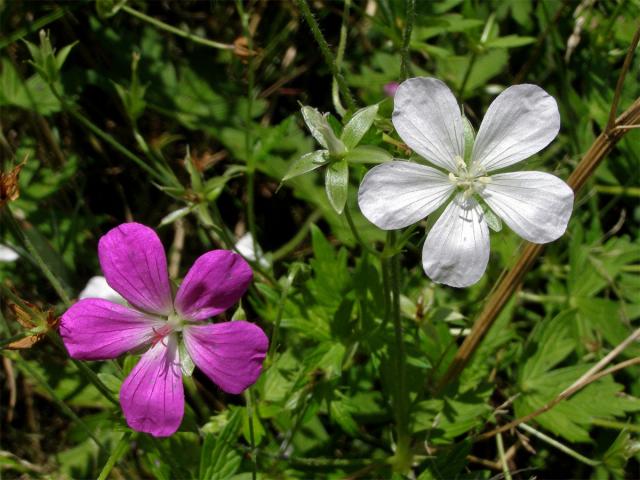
[(402, 458)]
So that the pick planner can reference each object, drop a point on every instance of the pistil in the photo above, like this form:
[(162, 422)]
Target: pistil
[(469, 181)]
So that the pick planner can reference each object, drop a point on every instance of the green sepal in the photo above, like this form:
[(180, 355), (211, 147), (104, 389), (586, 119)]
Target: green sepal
[(186, 363), (239, 314), (337, 184), (492, 219), (368, 154), (469, 136), (359, 124), (307, 163)]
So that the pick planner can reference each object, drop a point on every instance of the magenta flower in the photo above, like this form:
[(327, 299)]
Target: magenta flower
[(229, 353)]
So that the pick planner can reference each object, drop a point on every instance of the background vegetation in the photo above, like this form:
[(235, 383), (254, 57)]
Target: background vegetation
[(185, 116)]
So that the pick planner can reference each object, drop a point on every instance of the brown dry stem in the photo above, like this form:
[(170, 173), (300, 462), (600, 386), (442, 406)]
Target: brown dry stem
[(510, 282)]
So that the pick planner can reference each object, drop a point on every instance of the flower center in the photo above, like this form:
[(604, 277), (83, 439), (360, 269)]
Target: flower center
[(174, 324), (470, 181)]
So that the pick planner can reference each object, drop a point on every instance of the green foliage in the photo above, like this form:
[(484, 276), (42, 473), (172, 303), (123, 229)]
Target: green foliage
[(121, 118)]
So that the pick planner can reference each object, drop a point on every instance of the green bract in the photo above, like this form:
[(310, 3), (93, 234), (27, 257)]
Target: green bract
[(338, 152)]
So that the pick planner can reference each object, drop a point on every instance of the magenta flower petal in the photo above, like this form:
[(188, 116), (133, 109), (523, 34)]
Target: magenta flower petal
[(216, 281), (134, 264), (97, 329), (229, 353), (152, 397)]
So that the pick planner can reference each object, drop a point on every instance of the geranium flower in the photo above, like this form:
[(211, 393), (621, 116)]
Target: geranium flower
[(229, 353), (521, 121)]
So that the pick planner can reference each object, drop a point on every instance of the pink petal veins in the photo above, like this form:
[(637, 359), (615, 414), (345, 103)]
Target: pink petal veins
[(152, 396), (215, 282), (96, 329), (229, 353), (135, 265)]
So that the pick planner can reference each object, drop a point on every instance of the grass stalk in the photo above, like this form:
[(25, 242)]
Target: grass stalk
[(503, 459), (116, 455), (560, 446), (176, 31)]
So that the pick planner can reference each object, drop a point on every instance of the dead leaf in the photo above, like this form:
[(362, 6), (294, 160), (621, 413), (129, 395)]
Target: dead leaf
[(38, 321), (9, 190)]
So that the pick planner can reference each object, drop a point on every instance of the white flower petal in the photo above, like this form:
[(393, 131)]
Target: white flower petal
[(8, 254), (456, 250), (245, 247), (427, 117), (97, 287), (397, 194), (535, 205), (520, 122)]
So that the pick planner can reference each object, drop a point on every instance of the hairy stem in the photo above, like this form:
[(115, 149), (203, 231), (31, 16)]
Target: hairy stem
[(410, 13), (326, 53)]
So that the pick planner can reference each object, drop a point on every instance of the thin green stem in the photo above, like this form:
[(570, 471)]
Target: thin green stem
[(24, 238), (116, 455), (176, 31), (410, 13), (558, 445), (283, 297), (211, 219), (342, 44), (402, 457), (298, 238), (354, 231), (252, 439), (326, 53), (503, 460), (467, 74)]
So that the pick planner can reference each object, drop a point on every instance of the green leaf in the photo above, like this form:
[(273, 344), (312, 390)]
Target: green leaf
[(306, 164), (315, 123), (368, 154), (112, 382), (337, 184), (509, 41), (359, 124), (218, 459), (62, 55)]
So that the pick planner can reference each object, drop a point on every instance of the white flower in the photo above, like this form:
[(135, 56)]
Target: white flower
[(521, 121), (97, 287), (7, 254), (244, 246)]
